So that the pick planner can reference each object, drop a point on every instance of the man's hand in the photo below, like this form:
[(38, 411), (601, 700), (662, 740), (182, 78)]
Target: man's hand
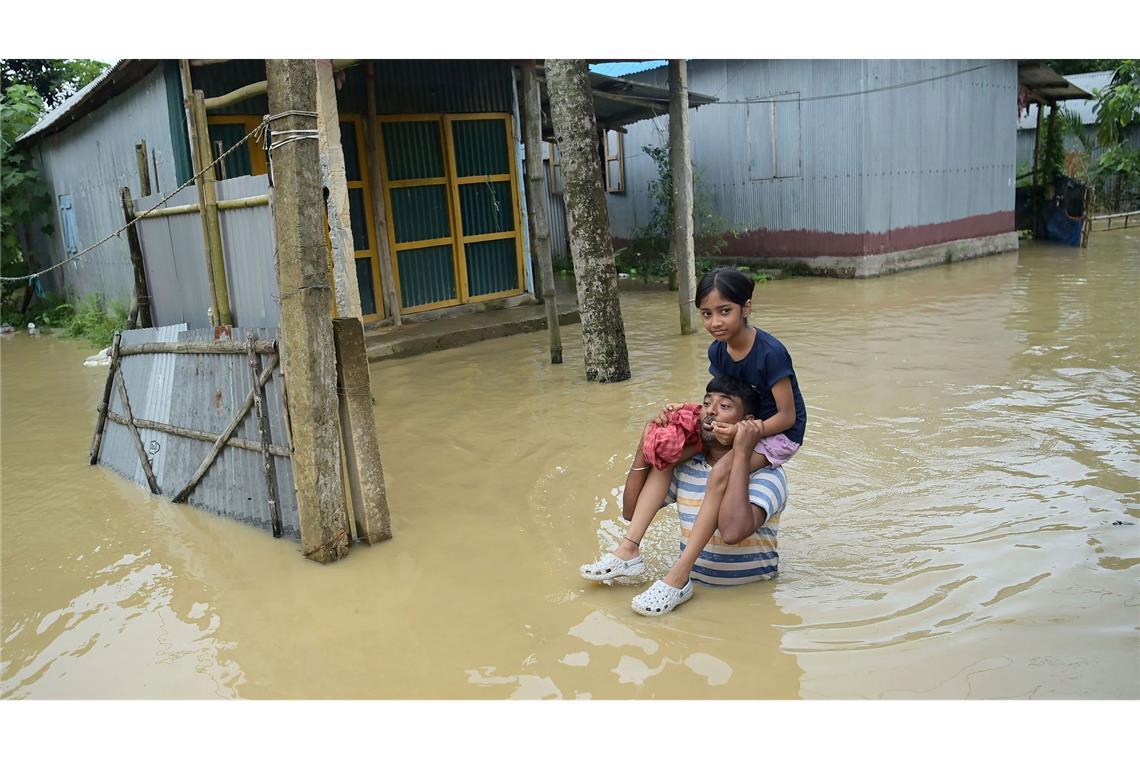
[(748, 433), (725, 432)]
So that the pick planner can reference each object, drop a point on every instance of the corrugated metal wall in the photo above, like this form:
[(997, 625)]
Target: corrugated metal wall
[(90, 161), (201, 392), (176, 259), (930, 153)]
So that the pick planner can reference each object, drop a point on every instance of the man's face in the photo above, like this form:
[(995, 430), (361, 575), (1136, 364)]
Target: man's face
[(719, 407)]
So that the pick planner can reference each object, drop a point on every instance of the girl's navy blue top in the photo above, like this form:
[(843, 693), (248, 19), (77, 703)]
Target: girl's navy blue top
[(765, 365)]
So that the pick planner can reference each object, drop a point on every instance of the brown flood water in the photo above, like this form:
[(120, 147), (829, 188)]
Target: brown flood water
[(964, 517)]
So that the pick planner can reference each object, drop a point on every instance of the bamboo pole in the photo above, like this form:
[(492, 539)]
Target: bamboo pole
[(539, 216), (140, 294), (220, 441), (228, 205), (379, 212), (136, 439), (208, 201), (105, 405), (204, 347), (269, 467), (198, 435)]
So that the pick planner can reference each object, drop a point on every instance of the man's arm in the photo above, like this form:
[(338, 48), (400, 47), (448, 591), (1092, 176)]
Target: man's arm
[(739, 517)]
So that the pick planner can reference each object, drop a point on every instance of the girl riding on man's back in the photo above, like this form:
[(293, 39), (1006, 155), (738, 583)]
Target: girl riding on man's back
[(740, 351)]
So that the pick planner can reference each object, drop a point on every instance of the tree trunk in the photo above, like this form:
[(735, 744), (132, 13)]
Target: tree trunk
[(536, 201), (587, 221), (680, 162), (308, 356)]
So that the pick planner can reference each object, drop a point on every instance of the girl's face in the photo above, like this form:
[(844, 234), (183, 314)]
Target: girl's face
[(722, 318)]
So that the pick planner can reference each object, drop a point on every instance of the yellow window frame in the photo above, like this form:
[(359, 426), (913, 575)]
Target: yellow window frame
[(457, 239)]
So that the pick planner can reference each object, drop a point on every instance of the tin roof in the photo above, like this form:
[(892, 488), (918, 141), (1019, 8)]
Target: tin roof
[(102, 88), (1083, 107), (617, 102), (1045, 85)]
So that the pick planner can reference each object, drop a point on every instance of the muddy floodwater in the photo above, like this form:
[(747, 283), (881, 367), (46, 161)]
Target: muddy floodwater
[(964, 518)]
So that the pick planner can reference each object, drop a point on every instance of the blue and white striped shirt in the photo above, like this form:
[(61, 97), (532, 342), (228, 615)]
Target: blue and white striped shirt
[(721, 564)]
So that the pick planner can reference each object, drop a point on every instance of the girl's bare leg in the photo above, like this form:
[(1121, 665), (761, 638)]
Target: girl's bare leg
[(649, 501)]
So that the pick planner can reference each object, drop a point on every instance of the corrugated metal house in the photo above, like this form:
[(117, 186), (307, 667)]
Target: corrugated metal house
[(451, 165), (845, 167)]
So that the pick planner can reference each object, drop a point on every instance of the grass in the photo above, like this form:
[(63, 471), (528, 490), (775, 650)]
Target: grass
[(92, 320)]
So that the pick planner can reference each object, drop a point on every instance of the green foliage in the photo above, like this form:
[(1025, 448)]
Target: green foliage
[(1117, 112), (648, 252), (95, 321), (55, 79), (22, 195)]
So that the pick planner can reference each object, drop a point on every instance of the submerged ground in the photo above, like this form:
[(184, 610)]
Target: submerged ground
[(964, 518)]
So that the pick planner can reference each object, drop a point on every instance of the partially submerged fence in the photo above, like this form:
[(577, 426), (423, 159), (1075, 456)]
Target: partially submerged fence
[(202, 419)]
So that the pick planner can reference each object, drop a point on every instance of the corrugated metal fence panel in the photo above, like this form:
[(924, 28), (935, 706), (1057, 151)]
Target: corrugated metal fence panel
[(92, 160), (249, 243), (202, 392), (175, 257), (150, 379)]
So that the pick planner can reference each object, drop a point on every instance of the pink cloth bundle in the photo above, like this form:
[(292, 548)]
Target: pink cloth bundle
[(664, 443)]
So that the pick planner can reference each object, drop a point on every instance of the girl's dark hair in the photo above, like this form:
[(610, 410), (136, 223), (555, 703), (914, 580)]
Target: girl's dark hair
[(730, 283)]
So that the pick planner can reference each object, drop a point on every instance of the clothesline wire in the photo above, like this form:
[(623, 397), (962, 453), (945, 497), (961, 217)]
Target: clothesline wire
[(262, 133)]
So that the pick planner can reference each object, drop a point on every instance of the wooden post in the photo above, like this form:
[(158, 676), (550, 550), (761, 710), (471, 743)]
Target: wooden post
[(1038, 185), (345, 288), (105, 405), (140, 295), (587, 220), (539, 215), (379, 213), (308, 356), (136, 439), (208, 203), (269, 467), (680, 162), (358, 430), (144, 169)]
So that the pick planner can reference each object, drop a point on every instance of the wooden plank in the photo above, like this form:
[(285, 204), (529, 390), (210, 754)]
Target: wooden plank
[(136, 439), (203, 347), (105, 406), (269, 467), (197, 435), (220, 443)]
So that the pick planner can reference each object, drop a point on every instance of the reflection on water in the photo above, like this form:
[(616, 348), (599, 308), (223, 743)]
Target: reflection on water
[(963, 522)]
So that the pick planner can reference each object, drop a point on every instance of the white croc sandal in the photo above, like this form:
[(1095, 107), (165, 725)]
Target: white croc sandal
[(661, 598), (611, 566)]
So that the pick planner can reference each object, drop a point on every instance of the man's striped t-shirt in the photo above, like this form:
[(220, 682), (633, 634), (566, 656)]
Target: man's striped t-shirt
[(721, 564)]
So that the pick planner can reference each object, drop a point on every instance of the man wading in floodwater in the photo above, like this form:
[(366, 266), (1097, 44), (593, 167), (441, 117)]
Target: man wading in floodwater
[(722, 544)]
